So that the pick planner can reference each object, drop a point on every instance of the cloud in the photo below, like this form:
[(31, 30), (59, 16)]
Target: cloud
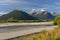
[(17, 2), (11, 2), (2, 13)]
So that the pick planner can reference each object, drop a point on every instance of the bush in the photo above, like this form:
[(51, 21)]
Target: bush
[(57, 21)]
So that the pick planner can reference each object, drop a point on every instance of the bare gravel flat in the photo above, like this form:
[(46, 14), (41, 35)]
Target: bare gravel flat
[(18, 29)]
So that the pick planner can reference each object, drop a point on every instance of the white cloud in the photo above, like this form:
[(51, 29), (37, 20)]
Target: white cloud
[(2, 13), (11, 2)]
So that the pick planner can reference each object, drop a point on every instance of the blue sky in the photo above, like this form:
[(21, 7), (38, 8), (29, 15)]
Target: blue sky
[(27, 5)]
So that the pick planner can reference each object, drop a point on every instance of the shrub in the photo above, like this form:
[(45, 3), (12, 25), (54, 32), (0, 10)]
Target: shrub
[(57, 21)]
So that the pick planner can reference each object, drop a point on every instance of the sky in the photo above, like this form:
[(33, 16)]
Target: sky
[(27, 5)]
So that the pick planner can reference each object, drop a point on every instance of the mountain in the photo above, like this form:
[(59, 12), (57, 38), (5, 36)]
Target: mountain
[(17, 15), (42, 14)]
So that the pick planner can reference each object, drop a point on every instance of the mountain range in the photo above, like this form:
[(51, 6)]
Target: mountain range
[(42, 14), (33, 15)]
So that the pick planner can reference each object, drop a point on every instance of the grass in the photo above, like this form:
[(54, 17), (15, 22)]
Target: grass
[(21, 21)]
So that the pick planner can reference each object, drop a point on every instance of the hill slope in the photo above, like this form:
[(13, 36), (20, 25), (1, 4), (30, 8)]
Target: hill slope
[(17, 15)]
